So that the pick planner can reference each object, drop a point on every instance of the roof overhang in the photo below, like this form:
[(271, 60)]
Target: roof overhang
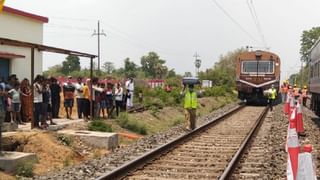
[(10, 42), (25, 14), (10, 55)]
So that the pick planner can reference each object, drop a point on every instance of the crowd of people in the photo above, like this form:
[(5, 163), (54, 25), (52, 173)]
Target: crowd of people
[(16, 99), (299, 93)]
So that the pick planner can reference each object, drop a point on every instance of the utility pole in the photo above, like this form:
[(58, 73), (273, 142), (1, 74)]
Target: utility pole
[(197, 63), (98, 33)]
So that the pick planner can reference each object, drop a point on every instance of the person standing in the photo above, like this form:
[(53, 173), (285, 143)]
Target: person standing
[(86, 102), (26, 100), (118, 97), (2, 96), (96, 90), (190, 106), (130, 89), (68, 93), (55, 97), (284, 91), (16, 103), (103, 102), (272, 97), (46, 104), (304, 95), (109, 99), (79, 97), (295, 90), (37, 99)]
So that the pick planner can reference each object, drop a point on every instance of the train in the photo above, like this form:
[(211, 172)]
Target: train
[(314, 77), (256, 72)]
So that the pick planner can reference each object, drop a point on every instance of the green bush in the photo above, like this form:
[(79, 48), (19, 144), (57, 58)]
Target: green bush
[(25, 169), (132, 125), (178, 121), (99, 125), (215, 91)]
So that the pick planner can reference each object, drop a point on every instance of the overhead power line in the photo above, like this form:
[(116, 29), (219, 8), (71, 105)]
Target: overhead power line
[(255, 18), (235, 22)]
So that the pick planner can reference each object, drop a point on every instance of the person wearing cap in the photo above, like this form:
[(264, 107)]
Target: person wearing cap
[(272, 97), (295, 90), (190, 106), (304, 95), (284, 91), (68, 94)]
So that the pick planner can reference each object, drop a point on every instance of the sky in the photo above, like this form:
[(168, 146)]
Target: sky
[(175, 29)]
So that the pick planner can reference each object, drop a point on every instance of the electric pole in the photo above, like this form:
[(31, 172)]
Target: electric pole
[(98, 33), (197, 63)]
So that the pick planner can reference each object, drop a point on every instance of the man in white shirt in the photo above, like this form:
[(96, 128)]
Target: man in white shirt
[(37, 99), (130, 91), (80, 98)]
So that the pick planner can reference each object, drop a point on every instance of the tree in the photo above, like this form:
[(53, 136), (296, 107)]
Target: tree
[(223, 72), (55, 70), (308, 38), (153, 66), (171, 73), (72, 63), (108, 67), (130, 68)]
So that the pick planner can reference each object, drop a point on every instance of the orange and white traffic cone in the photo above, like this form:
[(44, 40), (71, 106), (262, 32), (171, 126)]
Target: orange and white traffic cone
[(291, 105), (300, 128), (306, 167), (292, 127), (293, 152)]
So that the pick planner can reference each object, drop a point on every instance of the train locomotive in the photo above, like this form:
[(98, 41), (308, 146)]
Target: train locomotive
[(256, 72)]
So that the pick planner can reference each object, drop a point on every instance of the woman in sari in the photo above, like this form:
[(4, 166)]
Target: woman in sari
[(26, 100)]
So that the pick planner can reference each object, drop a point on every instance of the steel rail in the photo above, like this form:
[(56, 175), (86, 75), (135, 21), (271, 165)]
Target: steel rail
[(238, 155), (123, 170)]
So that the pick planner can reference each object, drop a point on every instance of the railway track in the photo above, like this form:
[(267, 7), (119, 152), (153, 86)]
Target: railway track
[(210, 152)]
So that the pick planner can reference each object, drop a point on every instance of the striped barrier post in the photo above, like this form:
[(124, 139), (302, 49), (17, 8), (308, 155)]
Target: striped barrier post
[(293, 152), (306, 167)]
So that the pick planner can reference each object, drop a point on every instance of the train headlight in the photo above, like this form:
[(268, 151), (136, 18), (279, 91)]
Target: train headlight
[(258, 53)]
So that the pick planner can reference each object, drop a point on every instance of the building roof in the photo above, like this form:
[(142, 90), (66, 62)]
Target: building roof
[(10, 55), (40, 47), (25, 14)]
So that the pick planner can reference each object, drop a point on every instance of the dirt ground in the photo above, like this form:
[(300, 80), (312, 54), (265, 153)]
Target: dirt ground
[(54, 154)]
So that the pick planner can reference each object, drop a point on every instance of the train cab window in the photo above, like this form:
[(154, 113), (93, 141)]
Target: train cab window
[(265, 67)]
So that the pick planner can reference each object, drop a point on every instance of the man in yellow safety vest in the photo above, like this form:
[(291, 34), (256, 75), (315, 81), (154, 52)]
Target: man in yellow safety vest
[(190, 106), (272, 97)]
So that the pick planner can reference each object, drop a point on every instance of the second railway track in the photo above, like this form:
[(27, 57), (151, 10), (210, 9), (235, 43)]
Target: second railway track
[(203, 155)]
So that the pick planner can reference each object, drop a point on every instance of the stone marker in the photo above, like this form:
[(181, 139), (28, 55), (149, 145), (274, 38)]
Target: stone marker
[(95, 138), (10, 161), (8, 127)]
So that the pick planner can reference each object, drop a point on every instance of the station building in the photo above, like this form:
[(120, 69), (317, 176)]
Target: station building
[(22, 26)]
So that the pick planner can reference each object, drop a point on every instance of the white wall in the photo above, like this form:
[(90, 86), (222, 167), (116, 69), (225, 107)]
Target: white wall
[(22, 29)]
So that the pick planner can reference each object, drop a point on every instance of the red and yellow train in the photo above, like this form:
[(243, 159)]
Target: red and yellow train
[(256, 71)]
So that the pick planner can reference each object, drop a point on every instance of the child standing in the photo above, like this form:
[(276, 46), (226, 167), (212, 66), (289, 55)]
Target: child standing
[(16, 103)]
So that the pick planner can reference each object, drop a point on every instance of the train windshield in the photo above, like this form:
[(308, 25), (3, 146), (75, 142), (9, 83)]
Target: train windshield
[(261, 67)]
